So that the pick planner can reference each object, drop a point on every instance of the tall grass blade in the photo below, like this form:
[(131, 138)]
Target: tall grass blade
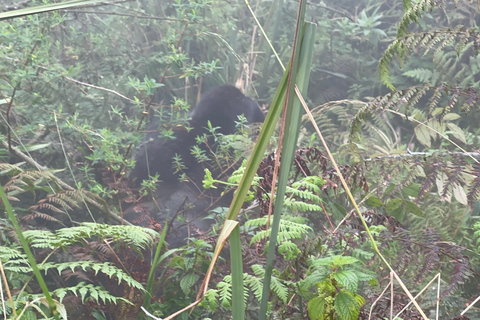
[(302, 60), (45, 8), (26, 249)]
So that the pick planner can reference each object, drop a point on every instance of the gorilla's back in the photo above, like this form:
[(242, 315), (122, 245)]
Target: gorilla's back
[(221, 106)]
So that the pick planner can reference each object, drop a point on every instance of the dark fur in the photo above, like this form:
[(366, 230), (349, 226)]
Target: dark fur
[(221, 106)]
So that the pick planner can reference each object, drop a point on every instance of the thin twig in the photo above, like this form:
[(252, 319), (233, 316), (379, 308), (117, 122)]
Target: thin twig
[(376, 300)]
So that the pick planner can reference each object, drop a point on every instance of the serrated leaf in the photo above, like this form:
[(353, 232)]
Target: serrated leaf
[(361, 300), (346, 306), (457, 132), (348, 279), (374, 202), (413, 208), (341, 261), (188, 281), (316, 308), (423, 135), (460, 195)]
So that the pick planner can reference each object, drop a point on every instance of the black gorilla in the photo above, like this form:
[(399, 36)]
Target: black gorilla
[(221, 106)]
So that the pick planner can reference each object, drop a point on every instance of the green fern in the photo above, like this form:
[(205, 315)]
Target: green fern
[(225, 291), (420, 74), (435, 39), (104, 268), (291, 228), (131, 235), (97, 294), (406, 100)]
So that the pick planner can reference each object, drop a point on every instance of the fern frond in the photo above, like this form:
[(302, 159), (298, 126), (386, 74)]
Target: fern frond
[(11, 169), (410, 96), (104, 268), (225, 291), (301, 206), (414, 13), (288, 230), (96, 293), (279, 288), (131, 235), (438, 39), (420, 74)]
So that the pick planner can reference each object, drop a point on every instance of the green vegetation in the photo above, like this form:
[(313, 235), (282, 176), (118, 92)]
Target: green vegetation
[(377, 206)]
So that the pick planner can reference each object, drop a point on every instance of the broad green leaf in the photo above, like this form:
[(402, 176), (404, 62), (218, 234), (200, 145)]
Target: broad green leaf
[(393, 204), (374, 202), (457, 132), (360, 300), (398, 213), (337, 210), (346, 306), (413, 208), (450, 117), (437, 126), (423, 135), (460, 195), (316, 308), (348, 279), (188, 281), (335, 261), (344, 260)]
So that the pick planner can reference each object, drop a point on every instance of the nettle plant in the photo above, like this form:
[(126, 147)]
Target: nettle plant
[(336, 280)]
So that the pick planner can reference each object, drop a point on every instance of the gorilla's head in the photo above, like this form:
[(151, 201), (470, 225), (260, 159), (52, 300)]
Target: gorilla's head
[(222, 105)]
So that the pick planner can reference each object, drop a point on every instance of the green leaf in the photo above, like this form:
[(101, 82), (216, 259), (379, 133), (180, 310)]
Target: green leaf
[(335, 261), (346, 306), (316, 308), (413, 208), (348, 279), (460, 195), (412, 190), (374, 202), (423, 135), (450, 117), (187, 282), (437, 126), (393, 204), (457, 132)]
